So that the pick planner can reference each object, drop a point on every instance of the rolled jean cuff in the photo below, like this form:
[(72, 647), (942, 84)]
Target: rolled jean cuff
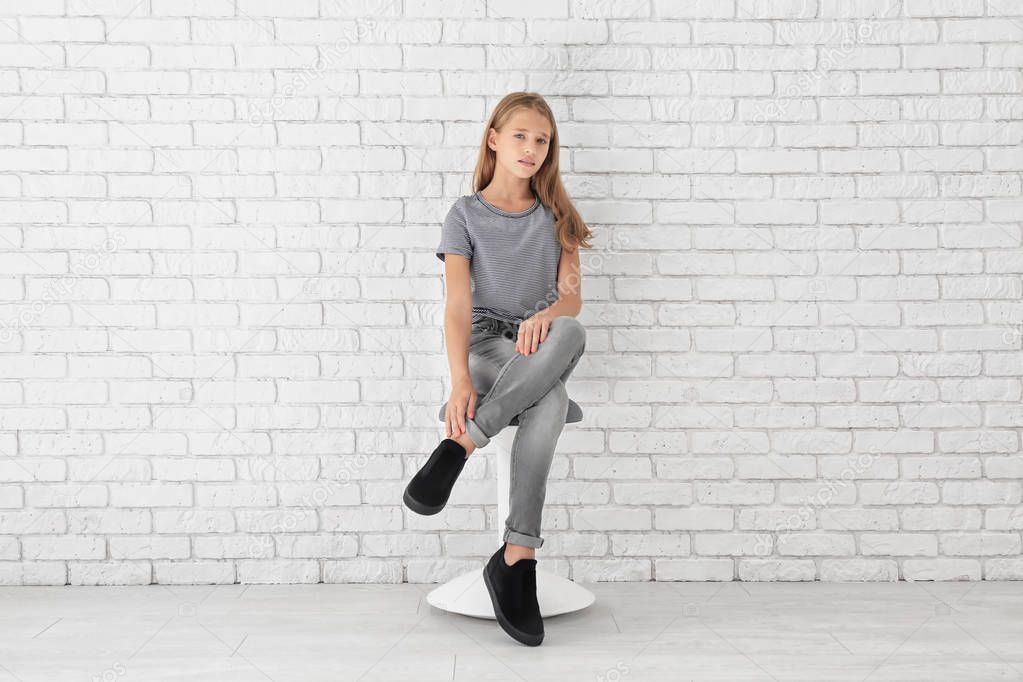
[(478, 437), (516, 538)]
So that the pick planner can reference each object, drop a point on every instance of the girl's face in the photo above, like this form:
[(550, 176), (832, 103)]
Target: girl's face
[(521, 146)]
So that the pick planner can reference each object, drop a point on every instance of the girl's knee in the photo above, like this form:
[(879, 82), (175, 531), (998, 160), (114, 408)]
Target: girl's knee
[(571, 330)]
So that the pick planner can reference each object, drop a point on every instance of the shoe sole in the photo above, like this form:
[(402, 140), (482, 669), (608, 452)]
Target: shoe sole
[(513, 632), (418, 507)]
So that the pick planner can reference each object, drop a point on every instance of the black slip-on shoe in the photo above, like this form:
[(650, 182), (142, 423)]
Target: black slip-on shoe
[(513, 593), (428, 491)]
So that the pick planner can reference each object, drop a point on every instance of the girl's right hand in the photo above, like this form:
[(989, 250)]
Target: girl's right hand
[(462, 401)]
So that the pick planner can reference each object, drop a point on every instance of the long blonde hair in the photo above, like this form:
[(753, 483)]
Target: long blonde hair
[(546, 182)]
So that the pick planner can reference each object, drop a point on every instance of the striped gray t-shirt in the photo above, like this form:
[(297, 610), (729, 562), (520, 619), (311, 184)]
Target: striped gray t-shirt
[(513, 256)]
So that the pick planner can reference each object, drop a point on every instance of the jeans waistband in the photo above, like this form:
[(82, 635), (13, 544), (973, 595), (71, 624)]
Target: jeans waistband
[(498, 325)]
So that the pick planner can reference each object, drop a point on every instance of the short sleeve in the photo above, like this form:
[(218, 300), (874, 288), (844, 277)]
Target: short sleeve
[(454, 236)]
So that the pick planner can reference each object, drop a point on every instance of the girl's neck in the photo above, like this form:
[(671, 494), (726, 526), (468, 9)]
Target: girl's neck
[(503, 189)]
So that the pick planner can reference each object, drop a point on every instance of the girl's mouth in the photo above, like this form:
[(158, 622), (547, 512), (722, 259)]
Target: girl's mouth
[(528, 164)]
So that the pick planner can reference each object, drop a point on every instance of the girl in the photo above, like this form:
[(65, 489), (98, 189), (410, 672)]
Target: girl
[(511, 257)]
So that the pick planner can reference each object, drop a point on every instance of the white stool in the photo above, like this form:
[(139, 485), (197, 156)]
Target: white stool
[(467, 594)]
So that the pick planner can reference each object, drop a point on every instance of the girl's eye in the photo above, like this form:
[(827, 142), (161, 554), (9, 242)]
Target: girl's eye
[(539, 139)]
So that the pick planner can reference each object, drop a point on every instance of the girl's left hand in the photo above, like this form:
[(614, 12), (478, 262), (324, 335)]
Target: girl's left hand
[(532, 332)]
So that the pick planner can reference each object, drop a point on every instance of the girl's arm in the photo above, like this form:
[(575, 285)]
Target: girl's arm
[(570, 300), (457, 334), (457, 314)]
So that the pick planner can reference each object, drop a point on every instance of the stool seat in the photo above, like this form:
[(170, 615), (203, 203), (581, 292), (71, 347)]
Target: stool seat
[(575, 413)]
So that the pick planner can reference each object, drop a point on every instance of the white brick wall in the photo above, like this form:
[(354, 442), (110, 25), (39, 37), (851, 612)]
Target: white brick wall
[(222, 352)]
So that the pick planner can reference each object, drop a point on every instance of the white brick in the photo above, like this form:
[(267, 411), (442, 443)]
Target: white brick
[(848, 570), (611, 518), (739, 493), (816, 493), (657, 493), (779, 519), (1003, 569), (363, 571), (607, 570), (278, 571), (941, 569), (859, 519), (941, 467), (899, 544), (982, 544), (668, 544), (776, 570), (406, 544), (34, 548), (898, 492), (709, 544), (193, 572), (693, 518), (815, 544), (940, 518), (693, 569), (980, 492), (611, 467)]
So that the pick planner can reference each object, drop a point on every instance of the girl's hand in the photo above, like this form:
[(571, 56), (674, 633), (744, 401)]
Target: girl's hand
[(532, 332), (462, 400)]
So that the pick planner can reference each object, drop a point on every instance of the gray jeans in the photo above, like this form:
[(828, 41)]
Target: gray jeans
[(532, 387)]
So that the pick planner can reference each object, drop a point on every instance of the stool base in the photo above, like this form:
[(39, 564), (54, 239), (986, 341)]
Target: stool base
[(467, 595)]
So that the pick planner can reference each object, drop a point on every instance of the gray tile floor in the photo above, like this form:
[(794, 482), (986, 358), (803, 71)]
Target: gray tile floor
[(635, 632)]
